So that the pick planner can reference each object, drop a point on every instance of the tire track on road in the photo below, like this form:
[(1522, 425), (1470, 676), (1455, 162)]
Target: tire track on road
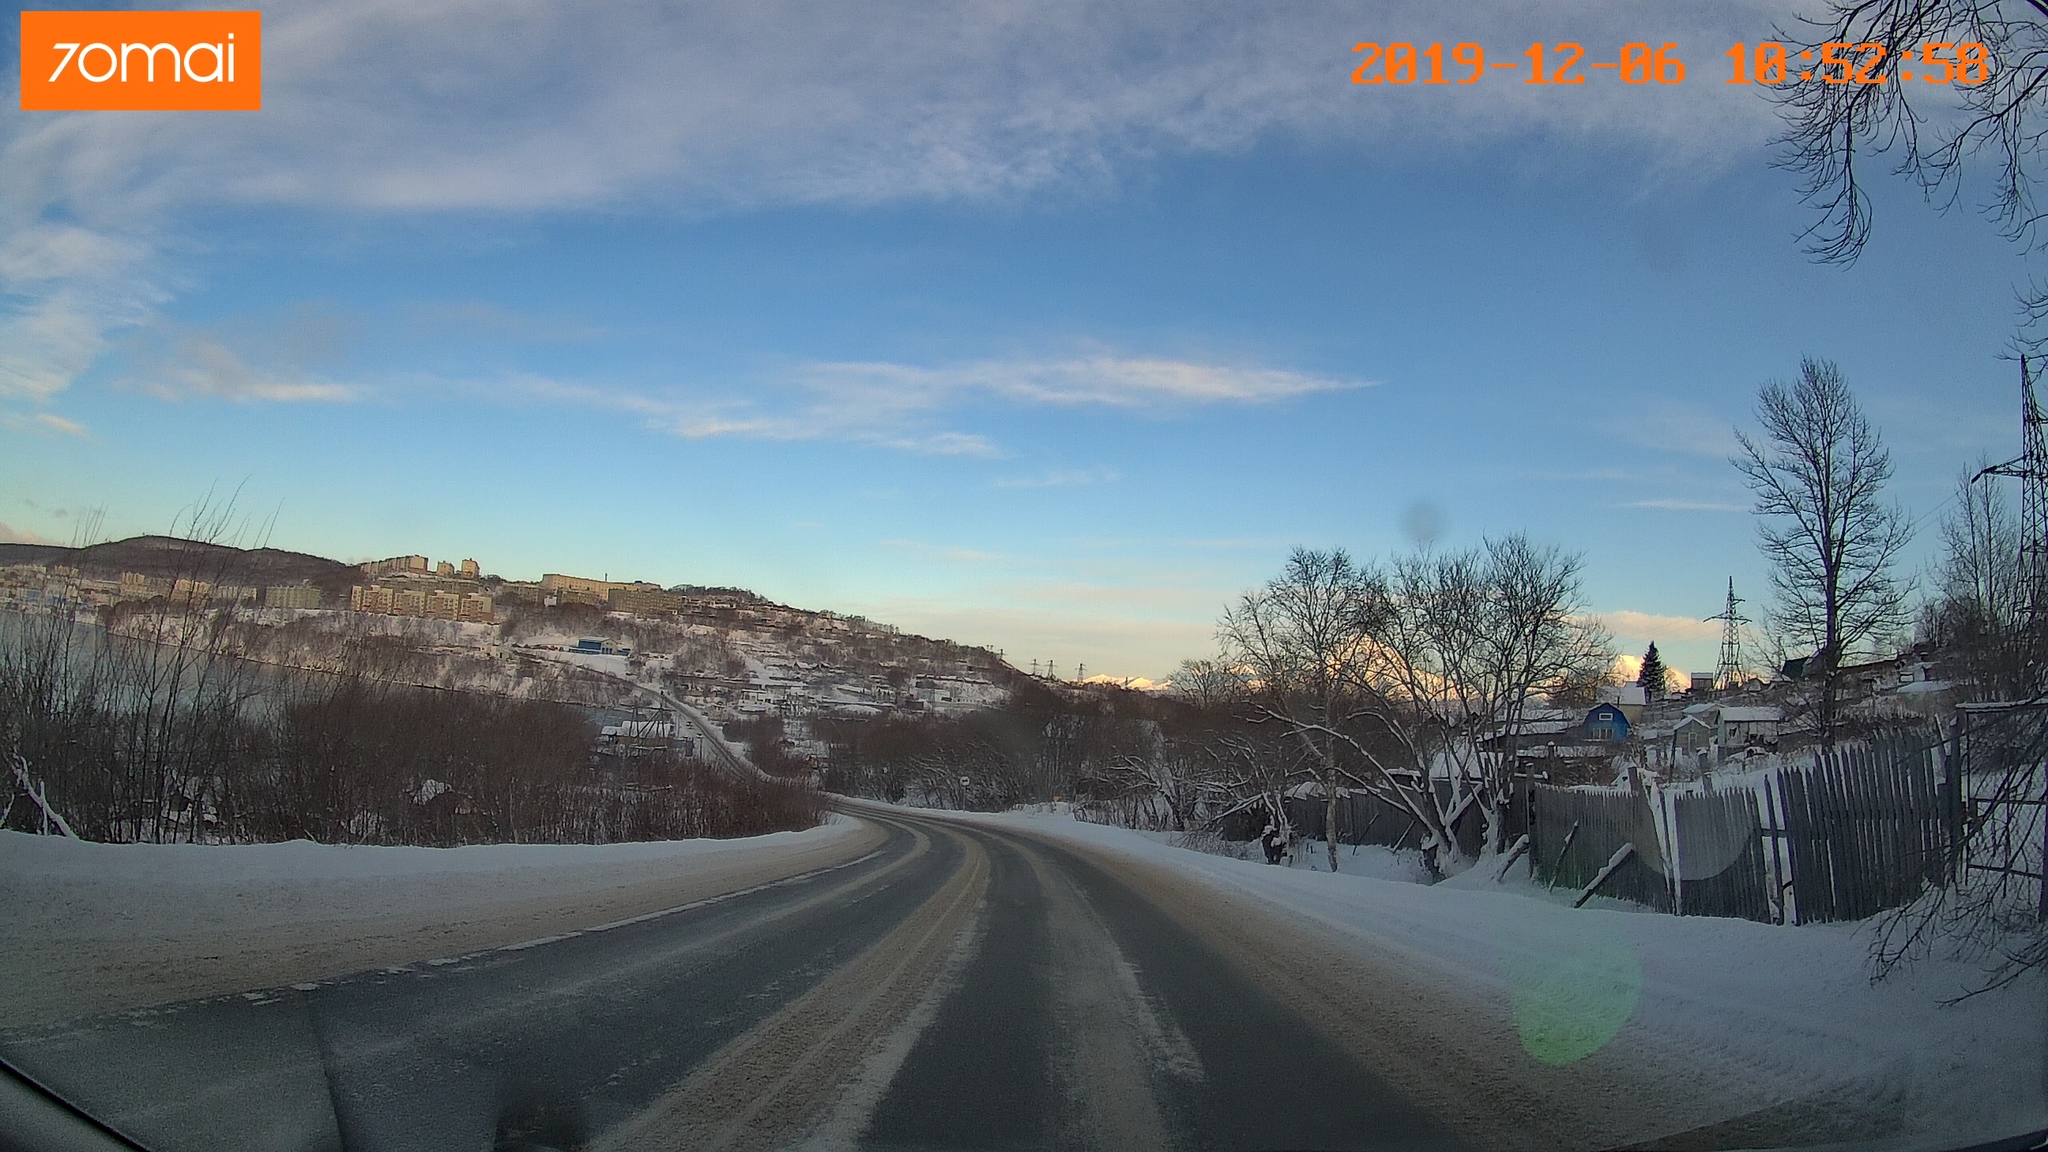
[(778, 1082)]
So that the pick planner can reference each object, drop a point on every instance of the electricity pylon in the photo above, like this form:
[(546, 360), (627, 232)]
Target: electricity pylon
[(2030, 468), (1728, 673)]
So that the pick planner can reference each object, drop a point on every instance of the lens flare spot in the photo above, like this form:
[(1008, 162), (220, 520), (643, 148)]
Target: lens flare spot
[(1571, 993)]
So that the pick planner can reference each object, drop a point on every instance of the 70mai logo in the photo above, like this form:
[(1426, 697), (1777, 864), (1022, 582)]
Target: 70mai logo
[(141, 61)]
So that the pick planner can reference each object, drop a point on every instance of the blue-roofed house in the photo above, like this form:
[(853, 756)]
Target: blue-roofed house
[(1606, 724)]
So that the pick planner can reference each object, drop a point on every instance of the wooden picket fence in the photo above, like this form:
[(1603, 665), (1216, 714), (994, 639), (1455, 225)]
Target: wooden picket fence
[(1863, 829), (1574, 833), (1854, 832)]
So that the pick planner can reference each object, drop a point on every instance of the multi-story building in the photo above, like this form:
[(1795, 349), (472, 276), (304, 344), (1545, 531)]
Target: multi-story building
[(292, 596), (558, 583), (470, 571), (439, 604), (370, 599), (396, 564), (642, 602), (444, 568), (136, 586), (191, 591)]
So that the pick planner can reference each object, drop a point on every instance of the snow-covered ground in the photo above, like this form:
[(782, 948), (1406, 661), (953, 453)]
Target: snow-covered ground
[(1658, 1012), (1785, 1016), (97, 927)]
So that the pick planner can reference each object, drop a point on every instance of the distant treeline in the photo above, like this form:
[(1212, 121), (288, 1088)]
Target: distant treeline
[(163, 733)]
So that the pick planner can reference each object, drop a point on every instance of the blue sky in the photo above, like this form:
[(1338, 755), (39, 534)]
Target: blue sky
[(1047, 328)]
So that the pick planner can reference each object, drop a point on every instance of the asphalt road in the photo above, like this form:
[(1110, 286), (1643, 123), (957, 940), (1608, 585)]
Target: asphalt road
[(958, 987)]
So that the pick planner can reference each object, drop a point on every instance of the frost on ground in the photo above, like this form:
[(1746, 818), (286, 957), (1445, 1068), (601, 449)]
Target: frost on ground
[(98, 927), (1745, 1034)]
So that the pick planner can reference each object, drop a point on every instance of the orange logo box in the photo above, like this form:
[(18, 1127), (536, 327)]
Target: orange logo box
[(141, 61)]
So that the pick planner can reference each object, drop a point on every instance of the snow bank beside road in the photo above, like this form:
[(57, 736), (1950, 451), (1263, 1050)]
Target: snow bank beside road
[(1781, 1024), (25, 858), (98, 927)]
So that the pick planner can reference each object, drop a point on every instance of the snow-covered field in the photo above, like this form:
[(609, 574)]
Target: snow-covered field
[(1787, 1017), (98, 927)]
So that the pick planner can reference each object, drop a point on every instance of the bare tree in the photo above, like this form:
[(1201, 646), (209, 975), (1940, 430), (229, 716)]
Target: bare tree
[(1474, 637), (1209, 684), (1303, 642), (1818, 473), (1994, 55), (1979, 603)]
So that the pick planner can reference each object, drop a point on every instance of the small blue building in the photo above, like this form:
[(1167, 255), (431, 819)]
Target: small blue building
[(1606, 724), (599, 646)]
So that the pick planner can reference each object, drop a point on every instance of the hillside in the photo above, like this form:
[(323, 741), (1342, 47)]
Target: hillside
[(169, 557), (736, 654)]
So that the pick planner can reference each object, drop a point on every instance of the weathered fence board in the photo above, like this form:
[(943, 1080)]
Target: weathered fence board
[(1574, 832), (1866, 829), (1719, 867)]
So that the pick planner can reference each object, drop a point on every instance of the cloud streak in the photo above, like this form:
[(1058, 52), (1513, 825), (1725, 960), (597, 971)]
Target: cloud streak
[(1648, 626), (268, 359), (1061, 478), (43, 423), (904, 407), (11, 535), (1686, 506)]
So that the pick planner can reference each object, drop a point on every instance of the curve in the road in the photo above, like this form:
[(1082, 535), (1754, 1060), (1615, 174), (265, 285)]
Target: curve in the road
[(961, 987)]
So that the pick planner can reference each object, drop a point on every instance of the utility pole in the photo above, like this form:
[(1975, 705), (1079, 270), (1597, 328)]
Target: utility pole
[(1728, 673)]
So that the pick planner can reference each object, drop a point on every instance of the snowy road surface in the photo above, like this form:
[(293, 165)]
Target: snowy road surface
[(925, 982)]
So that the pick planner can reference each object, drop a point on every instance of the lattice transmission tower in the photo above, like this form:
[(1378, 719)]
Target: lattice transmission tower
[(1728, 673), (2031, 470)]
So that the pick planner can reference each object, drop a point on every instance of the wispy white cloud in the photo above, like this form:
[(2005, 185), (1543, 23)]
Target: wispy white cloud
[(270, 360), (1110, 641), (1628, 669), (209, 368), (12, 535), (1687, 506), (1061, 478), (1646, 626), (43, 423), (1677, 427), (950, 553), (403, 106), (1150, 597), (892, 404), (398, 104), (71, 285), (904, 407), (497, 322), (1111, 381)]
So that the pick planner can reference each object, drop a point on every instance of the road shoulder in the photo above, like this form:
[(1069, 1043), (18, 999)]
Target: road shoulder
[(98, 928)]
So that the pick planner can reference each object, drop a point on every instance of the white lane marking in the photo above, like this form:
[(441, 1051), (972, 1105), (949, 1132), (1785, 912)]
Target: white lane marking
[(535, 943), (710, 900), (1169, 1047)]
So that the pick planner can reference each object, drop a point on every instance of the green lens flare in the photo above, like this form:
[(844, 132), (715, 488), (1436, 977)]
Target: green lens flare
[(1572, 993)]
